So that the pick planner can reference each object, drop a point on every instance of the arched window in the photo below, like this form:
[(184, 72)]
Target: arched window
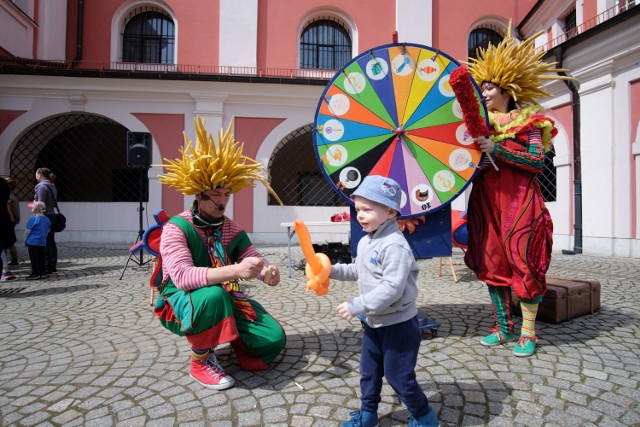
[(296, 176), (324, 44), (149, 37), (482, 38), (88, 155)]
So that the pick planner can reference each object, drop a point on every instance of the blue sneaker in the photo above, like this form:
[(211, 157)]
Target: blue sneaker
[(427, 420), (362, 419)]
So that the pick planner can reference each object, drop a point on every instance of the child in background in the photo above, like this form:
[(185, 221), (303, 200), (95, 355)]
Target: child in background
[(35, 237), (386, 272)]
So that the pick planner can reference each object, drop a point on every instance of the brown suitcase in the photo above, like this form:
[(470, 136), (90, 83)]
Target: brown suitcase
[(565, 299)]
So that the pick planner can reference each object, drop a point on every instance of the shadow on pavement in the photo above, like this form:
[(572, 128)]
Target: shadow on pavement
[(29, 290)]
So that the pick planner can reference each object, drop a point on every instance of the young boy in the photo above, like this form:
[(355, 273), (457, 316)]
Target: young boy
[(35, 237), (386, 272)]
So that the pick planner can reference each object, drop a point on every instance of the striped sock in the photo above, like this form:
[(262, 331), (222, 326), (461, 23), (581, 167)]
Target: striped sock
[(529, 312), (501, 300), (200, 354)]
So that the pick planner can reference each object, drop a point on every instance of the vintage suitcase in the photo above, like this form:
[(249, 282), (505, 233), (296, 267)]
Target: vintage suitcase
[(565, 299)]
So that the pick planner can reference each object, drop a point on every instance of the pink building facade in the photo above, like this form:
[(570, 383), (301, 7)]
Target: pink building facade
[(246, 60)]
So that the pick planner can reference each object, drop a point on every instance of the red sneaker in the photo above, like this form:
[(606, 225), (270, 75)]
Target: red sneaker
[(210, 374)]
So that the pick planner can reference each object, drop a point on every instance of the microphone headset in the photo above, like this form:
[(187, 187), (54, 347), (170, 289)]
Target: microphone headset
[(199, 221)]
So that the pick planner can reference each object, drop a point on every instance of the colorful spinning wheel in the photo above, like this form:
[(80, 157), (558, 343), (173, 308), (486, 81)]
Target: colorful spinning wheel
[(391, 111)]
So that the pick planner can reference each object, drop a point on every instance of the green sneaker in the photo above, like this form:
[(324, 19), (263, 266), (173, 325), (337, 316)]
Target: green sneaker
[(526, 346), (496, 338)]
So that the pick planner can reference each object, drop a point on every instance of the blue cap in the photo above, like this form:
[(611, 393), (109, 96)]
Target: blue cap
[(380, 189)]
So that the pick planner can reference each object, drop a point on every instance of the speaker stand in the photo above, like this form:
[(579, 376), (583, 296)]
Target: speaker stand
[(141, 261)]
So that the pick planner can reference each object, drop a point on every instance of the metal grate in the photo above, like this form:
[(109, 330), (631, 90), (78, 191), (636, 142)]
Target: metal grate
[(482, 38), (570, 24), (547, 178), (87, 153), (149, 37), (324, 44), (296, 176)]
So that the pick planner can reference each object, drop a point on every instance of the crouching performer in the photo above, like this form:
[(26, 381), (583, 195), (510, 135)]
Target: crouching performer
[(204, 256)]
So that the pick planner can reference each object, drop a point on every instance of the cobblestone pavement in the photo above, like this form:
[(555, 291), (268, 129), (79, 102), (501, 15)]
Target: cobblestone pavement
[(83, 348)]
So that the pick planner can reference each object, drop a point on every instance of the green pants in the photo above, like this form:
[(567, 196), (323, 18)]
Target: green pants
[(207, 318)]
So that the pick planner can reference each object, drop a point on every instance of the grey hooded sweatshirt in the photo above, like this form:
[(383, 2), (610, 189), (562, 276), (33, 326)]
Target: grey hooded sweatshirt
[(386, 272)]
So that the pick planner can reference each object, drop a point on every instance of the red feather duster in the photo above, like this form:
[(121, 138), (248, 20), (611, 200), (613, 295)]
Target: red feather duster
[(460, 81)]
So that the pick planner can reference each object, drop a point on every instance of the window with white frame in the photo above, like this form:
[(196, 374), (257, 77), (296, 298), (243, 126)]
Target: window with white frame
[(570, 24), (325, 44), (148, 37), (482, 38)]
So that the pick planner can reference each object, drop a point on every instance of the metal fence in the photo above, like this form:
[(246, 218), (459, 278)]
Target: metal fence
[(296, 176), (87, 154), (547, 178)]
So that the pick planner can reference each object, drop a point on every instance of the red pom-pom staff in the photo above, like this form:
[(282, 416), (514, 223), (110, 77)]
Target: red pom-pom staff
[(460, 81)]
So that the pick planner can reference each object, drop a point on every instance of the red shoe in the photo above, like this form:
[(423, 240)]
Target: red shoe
[(210, 374)]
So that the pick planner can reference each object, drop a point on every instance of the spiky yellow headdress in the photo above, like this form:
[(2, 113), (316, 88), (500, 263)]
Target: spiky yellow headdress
[(516, 68), (209, 166)]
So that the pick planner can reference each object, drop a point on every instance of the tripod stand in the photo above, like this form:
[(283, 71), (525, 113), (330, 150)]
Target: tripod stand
[(137, 246)]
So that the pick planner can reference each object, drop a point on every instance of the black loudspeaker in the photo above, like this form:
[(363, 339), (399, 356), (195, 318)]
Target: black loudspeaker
[(139, 149)]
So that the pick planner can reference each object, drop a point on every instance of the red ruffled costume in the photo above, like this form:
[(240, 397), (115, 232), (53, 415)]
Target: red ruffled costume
[(510, 229)]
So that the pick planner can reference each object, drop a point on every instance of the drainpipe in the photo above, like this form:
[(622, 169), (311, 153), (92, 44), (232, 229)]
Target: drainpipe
[(79, 32), (577, 163)]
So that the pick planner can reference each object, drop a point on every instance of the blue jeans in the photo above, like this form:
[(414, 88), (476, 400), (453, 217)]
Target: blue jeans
[(392, 352)]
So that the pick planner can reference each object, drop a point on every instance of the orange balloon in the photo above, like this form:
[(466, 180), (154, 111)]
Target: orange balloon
[(318, 265)]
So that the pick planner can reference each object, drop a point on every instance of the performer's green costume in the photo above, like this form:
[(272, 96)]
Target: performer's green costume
[(213, 315)]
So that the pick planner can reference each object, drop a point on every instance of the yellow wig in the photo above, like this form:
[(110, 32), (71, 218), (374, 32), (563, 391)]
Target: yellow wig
[(516, 68), (208, 165)]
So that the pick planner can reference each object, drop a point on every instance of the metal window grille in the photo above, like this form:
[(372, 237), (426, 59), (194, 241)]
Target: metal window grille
[(87, 154), (149, 37), (547, 178), (482, 38), (324, 44), (296, 176), (570, 24)]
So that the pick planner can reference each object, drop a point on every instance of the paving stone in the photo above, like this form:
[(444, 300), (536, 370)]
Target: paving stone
[(83, 348)]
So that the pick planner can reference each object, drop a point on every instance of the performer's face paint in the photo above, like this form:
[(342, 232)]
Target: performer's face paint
[(371, 215), (212, 203)]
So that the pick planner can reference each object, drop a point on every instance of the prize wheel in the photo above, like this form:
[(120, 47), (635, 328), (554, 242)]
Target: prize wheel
[(391, 112)]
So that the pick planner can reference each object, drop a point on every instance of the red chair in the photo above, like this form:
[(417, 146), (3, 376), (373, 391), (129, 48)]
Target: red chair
[(151, 242), (459, 239)]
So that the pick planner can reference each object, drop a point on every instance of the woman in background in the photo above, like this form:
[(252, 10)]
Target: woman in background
[(47, 192)]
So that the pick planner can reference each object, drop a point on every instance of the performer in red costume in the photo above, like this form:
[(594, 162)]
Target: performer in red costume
[(510, 229)]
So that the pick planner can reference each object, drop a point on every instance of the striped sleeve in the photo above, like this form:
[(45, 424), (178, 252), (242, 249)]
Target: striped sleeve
[(530, 157), (236, 242), (177, 262)]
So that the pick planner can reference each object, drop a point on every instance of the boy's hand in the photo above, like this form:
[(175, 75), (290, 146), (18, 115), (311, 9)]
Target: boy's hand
[(343, 309), (271, 275)]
